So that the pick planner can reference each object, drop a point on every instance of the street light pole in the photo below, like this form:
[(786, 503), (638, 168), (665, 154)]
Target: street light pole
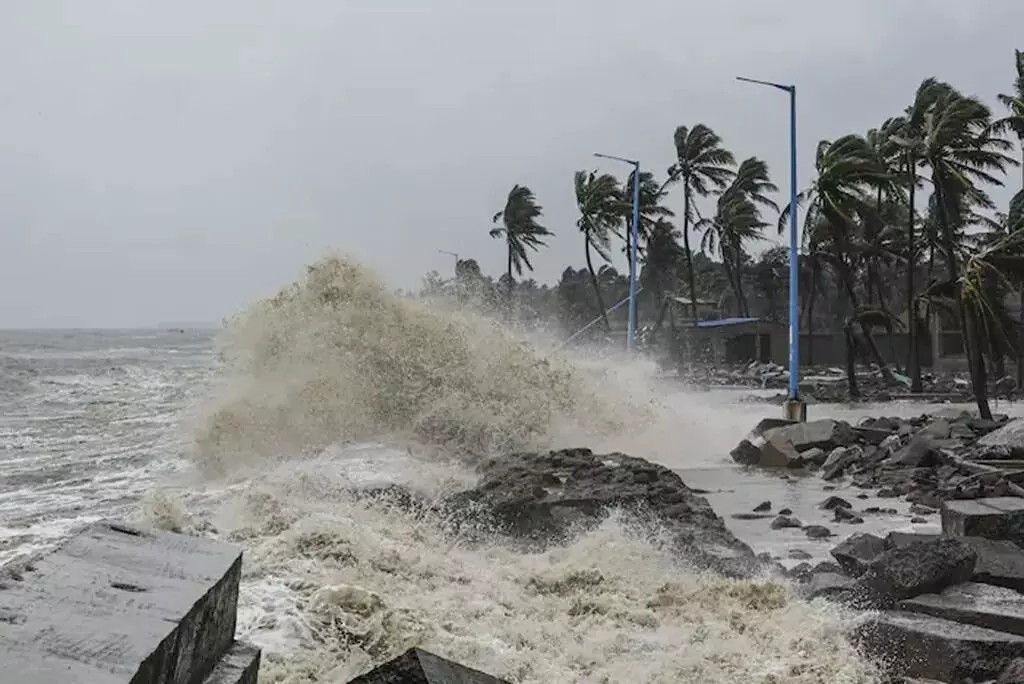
[(794, 409), (635, 236)]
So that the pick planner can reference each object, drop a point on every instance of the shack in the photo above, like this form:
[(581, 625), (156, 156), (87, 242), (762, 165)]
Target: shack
[(741, 340)]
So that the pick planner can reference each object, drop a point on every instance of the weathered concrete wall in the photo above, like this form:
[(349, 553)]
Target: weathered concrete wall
[(118, 605)]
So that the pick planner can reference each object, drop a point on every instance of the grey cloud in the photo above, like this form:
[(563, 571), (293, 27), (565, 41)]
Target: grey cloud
[(173, 161)]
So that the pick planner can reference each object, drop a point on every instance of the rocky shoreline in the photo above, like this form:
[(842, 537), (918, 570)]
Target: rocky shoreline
[(948, 607)]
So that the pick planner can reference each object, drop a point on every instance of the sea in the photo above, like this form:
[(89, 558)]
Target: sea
[(258, 433)]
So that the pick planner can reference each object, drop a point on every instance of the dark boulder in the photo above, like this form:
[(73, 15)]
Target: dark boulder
[(926, 568), (543, 497), (417, 666)]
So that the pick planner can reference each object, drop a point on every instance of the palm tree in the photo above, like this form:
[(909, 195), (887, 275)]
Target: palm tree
[(962, 150), (520, 229), (702, 165), (737, 220), (838, 201), (599, 200), (1014, 122)]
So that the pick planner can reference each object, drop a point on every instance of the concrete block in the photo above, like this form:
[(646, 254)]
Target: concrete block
[(240, 665), (915, 645), (974, 604), (995, 518), (118, 605), (417, 666)]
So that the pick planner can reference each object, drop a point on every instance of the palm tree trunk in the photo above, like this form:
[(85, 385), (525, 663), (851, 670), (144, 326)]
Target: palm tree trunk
[(866, 329), (692, 282), (1020, 312), (851, 363), (975, 359), (731, 275), (739, 281), (597, 288), (508, 304), (914, 355), (810, 316)]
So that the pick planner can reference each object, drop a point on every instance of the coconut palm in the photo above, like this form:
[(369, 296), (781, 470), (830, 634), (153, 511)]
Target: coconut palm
[(702, 166), (837, 203), (521, 229), (599, 201), (1014, 123), (962, 151), (737, 221)]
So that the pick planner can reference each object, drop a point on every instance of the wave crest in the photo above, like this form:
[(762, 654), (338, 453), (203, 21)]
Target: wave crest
[(338, 357)]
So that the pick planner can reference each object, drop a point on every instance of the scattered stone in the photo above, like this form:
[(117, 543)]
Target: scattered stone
[(919, 521), (817, 532), (925, 568), (751, 516), (764, 506), (915, 645), (839, 460), (918, 509), (422, 667), (974, 604), (779, 452), (992, 518), (814, 456), (799, 554), (857, 551), (745, 453), (828, 566), (785, 511), (862, 495), (800, 572), (834, 502), (848, 516), (785, 521), (887, 494)]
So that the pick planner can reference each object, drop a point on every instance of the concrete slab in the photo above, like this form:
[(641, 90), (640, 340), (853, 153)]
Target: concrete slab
[(981, 605), (915, 645), (118, 605), (417, 666), (995, 518), (240, 665)]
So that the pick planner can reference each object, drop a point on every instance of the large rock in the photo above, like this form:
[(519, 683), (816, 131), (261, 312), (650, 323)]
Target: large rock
[(544, 496), (1000, 563), (974, 604), (822, 434), (992, 518), (930, 567), (417, 666), (115, 605), (916, 645)]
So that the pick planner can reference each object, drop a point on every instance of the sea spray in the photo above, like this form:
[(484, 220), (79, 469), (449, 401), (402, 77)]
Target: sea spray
[(335, 583), (338, 357)]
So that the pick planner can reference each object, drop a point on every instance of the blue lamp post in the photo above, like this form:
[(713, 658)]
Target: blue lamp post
[(634, 234), (794, 409)]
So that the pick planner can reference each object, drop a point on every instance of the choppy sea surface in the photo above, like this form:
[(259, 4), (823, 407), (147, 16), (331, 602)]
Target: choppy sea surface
[(101, 424)]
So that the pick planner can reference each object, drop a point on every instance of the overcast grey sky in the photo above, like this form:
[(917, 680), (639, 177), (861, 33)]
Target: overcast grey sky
[(175, 160)]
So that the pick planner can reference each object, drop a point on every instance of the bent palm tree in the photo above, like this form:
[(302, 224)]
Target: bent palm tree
[(1014, 122), (599, 200), (837, 202), (702, 165), (520, 229)]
